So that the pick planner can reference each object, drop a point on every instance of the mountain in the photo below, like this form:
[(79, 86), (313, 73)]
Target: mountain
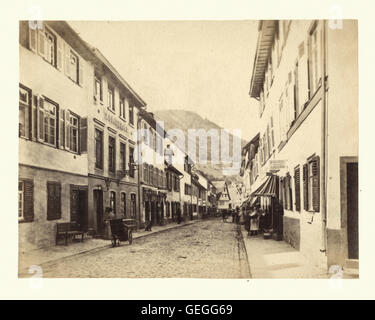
[(184, 120)]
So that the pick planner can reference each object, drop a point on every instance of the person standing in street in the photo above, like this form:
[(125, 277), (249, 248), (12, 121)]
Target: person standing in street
[(178, 215), (108, 215)]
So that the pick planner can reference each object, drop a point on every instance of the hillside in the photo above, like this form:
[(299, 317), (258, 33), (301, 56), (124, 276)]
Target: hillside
[(184, 120)]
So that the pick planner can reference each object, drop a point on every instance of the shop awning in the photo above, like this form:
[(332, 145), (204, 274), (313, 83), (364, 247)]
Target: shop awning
[(268, 188)]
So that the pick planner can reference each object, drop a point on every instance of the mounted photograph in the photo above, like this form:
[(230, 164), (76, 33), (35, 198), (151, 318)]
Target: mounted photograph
[(204, 149)]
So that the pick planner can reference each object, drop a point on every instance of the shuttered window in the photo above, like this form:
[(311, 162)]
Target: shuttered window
[(297, 188), (53, 200), (311, 184), (25, 200), (305, 192), (315, 170)]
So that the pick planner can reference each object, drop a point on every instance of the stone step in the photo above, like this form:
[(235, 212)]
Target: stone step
[(351, 264)]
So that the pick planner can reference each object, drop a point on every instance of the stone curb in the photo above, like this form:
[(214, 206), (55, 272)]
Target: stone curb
[(100, 248)]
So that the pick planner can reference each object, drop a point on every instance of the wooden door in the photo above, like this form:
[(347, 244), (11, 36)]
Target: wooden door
[(352, 209)]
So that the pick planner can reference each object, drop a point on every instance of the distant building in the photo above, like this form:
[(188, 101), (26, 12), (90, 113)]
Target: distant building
[(222, 195)]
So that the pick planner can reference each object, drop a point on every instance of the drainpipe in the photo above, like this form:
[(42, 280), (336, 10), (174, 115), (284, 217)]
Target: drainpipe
[(139, 169), (324, 138)]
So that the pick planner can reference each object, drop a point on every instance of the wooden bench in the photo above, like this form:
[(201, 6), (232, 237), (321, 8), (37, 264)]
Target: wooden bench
[(66, 229)]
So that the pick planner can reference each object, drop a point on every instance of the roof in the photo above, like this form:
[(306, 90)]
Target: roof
[(219, 184), (173, 168), (266, 34), (91, 53)]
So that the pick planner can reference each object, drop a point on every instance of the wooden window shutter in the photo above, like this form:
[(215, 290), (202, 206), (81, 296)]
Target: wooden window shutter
[(290, 192), (59, 53), (33, 41), (305, 189), (40, 119), (61, 129), (42, 43), (80, 71), (67, 129), (285, 192), (83, 135), (67, 59), (34, 117), (303, 78), (297, 186), (316, 183), (28, 200)]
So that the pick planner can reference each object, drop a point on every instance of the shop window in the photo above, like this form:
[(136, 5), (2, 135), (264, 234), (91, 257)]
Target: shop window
[(111, 154), (131, 162), (122, 156), (53, 200), (123, 204), (112, 201), (133, 205), (98, 149)]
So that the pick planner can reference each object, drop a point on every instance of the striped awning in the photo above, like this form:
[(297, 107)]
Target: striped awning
[(267, 189)]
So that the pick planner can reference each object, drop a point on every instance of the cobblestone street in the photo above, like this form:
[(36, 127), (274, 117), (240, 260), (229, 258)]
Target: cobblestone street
[(206, 249)]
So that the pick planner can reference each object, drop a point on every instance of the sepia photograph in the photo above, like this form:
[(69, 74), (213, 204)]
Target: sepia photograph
[(188, 149)]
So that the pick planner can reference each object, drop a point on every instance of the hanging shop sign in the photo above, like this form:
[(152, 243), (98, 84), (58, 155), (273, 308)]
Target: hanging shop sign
[(276, 165)]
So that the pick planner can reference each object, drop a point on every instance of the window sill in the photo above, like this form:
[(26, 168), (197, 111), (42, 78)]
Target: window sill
[(24, 221), (111, 110), (131, 124)]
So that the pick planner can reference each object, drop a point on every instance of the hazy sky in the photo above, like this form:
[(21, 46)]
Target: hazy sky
[(202, 66)]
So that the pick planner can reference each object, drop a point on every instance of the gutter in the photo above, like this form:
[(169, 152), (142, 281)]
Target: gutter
[(324, 141)]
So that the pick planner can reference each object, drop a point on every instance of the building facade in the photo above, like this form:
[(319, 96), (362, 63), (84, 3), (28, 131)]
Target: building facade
[(305, 79), (77, 120), (111, 140)]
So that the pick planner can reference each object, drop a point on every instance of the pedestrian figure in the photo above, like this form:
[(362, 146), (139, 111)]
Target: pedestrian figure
[(148, 226), (254, 222), (225, 214), (178, 215), (108, 215), (247, 222)]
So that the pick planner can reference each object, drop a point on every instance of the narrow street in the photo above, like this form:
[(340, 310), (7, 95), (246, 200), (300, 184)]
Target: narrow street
[(206, 249)]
